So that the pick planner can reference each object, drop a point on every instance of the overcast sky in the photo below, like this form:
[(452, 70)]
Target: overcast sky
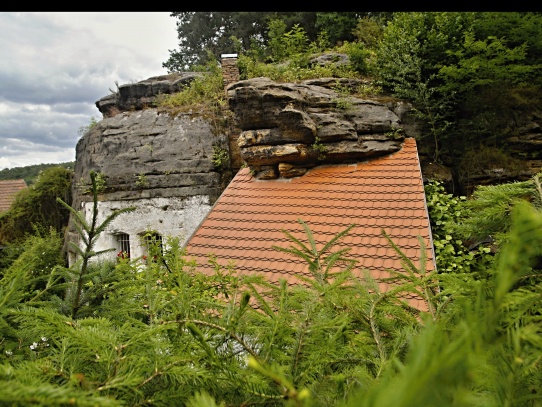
[(54, 66)]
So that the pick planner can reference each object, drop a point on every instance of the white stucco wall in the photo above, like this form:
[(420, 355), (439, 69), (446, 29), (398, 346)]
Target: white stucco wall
[(170, 217)]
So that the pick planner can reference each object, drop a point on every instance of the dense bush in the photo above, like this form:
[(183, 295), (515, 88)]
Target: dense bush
[(36, 206)]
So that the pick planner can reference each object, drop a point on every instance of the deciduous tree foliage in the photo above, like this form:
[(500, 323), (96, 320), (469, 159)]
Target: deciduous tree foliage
[(467, 73), (36, 208), (230, 32)]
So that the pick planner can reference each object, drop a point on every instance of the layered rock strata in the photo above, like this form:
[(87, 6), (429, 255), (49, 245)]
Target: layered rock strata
[(142, 95), (287, 128), (163, 165)]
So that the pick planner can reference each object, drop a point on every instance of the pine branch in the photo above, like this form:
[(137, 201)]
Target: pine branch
[(190, 324)]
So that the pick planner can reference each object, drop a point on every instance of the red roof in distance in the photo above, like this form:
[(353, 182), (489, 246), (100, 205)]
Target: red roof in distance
[(8, 190)]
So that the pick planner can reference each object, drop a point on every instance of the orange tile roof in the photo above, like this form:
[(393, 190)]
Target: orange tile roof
[(384, 193), (8, 190)]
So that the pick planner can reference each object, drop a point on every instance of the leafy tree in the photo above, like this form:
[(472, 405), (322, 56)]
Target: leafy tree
[(369, 32), (223, 32), (413, 48), (515, 28), (339, 26), (285, 44), (39, 257), (492, 82), (251, 32), (35, 209), (462, 72)]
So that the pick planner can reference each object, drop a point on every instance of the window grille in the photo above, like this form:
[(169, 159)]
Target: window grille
[(153, 241), (123, 244)]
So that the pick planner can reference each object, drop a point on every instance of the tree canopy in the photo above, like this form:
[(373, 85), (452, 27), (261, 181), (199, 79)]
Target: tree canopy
[(466, 72), (233, 32)]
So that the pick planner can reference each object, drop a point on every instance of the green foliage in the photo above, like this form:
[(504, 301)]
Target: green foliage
[(461, 71), (247, 32), (289, 53), (290, 71), (35, 209), (93, 122), (320, 148), (85, 185), (369, 32), (485, 63), (490, 208), (413, 48), (39, 257), (320, 262), (295, 42), (515, 28), (358, 55), (445, 212), (489, 357), (275, 45), (161, 331), (220, 32), (155, 331), (292, 45), (141, 181), (79, 294), (221, 158), (338, 26), (206, 93)]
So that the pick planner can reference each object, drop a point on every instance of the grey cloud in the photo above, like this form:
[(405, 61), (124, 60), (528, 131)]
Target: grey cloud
[(54, 67)]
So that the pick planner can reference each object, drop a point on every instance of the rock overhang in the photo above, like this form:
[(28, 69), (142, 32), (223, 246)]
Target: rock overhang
[(287, 128)]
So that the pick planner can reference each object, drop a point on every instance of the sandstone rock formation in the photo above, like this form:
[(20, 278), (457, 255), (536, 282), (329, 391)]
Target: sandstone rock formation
[(147, 154), (287, 128), (161, 164), (141, 95)]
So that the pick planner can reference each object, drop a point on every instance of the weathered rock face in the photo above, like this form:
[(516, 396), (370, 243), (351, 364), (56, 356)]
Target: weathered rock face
[(525, 140), (147, 154), (142, 95), (287, 127), (160, 164), (514, 155)]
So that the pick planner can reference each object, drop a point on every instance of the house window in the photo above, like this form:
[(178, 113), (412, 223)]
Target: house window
[(153, 242), (123, 245)]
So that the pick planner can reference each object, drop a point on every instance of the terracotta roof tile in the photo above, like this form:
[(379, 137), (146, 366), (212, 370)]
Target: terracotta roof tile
[(8, 190), (384, 193)]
